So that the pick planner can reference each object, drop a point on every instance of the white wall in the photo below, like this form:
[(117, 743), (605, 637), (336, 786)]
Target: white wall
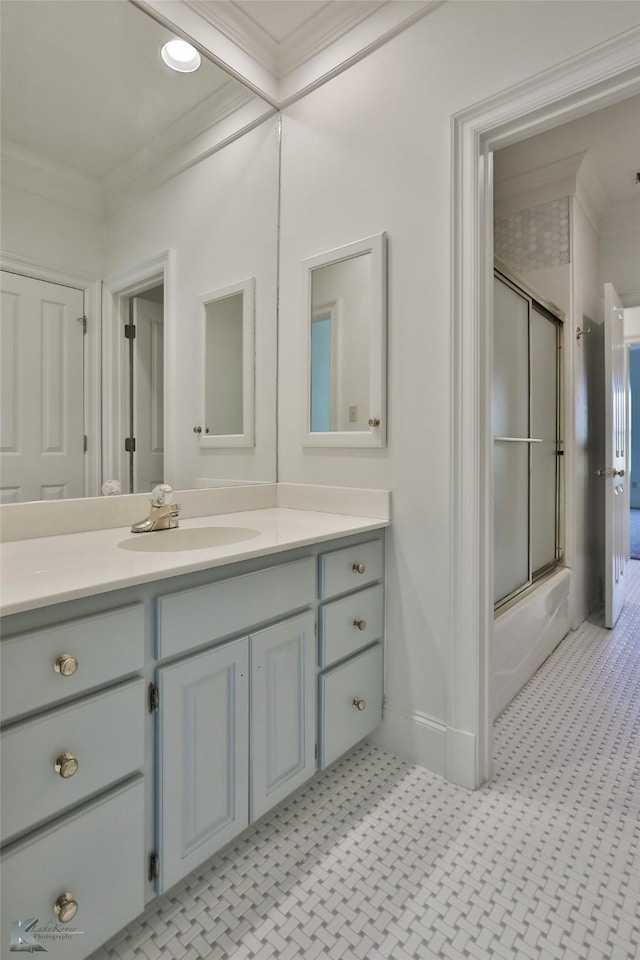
[(50, 231), (371, 151), (620, 255), (220, 220)]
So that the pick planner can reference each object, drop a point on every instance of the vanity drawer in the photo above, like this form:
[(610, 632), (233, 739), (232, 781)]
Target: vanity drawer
[(349, 624), (104, 734), (342, 724), (96, 858), (193, 618), (350, 568), (106, 647)]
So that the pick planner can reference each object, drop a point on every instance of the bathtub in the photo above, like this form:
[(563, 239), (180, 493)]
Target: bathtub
[(525, 634)]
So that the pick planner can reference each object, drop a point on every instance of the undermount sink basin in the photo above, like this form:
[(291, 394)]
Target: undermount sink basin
[(186, 538)]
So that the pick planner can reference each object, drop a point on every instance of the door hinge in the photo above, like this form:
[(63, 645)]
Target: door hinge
[(130, 444), (316, 751), (85, 443), (83, 321), (154, 698), (130, 331), (154, 866), (315, 629)]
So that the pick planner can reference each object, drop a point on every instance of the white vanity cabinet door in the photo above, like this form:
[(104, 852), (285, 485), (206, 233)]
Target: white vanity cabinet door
[(283, 710), (203, 776), (97, 858)]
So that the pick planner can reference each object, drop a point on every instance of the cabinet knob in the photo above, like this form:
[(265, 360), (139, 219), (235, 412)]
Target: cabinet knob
[(65, 907), (359, 567), (65, 665), (374, 421), (360, 624), (197, 429), (358, 703), (66, 765)]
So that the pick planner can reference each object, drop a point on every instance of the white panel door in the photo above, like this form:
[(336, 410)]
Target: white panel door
[(148, 317), (42, 400), (283, 710), (203, 775), (616, 517)]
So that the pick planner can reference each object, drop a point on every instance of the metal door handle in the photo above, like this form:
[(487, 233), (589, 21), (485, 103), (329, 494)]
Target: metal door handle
[(617, 473)]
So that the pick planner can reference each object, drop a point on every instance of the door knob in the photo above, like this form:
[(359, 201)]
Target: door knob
[(617, 473), (65, 907), (66, 765), (65, 665), (600, 472)]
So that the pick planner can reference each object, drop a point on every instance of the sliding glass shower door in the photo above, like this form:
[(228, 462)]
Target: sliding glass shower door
[(527, 446)]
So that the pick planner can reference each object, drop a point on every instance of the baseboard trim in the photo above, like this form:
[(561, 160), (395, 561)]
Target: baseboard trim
[(414, 736)]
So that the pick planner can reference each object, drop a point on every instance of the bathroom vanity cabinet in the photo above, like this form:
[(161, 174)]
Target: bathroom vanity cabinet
[(144, 728)]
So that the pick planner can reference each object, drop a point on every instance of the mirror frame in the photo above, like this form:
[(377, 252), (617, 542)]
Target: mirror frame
[(247, 437), (376, 435)]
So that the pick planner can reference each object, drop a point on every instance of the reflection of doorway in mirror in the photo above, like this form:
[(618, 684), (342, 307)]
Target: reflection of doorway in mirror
[(146, 373), (323, 367), (42, 442)]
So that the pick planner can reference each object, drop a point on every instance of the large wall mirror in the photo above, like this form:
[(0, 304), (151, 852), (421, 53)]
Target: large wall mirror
[(127, 190), (345, 309)]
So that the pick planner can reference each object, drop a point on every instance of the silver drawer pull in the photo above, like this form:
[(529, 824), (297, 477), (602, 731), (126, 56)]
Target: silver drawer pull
[(360, 624), (65, 907), (359, 567), (65, 665), (359, 703), (66, 765)]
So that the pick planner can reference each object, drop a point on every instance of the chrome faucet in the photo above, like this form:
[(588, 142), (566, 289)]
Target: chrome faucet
[(163, 513)]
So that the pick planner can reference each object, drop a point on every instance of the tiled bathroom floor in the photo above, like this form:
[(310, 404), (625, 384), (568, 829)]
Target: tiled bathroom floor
[(377, 858)]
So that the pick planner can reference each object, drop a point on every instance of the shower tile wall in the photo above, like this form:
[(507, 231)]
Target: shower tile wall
[(535, 238)]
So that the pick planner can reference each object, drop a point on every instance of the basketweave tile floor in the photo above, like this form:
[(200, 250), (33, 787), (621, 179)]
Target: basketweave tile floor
[(377, 858)]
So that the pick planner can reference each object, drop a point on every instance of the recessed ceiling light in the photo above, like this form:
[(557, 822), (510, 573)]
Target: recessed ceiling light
[(180, 56)]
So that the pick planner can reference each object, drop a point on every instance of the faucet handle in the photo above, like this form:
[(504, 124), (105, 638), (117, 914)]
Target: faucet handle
[(162, 495)]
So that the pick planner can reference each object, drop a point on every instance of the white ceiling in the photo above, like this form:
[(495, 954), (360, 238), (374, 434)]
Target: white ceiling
[(611, 137), (93, 103)]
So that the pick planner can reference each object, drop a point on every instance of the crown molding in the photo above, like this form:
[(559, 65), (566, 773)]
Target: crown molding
[(323, 29), (327, 45), (238, 27), (227, 100), (47, 178)]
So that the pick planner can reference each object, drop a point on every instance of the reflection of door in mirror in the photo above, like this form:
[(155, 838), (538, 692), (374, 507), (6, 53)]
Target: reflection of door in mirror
[(223, 400), (41, 345), (341, 394), (146, 379)]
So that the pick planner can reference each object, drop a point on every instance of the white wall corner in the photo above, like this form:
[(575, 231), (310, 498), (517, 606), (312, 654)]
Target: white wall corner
[(461, 758), (414, 736), (537, 187), (590, 193)]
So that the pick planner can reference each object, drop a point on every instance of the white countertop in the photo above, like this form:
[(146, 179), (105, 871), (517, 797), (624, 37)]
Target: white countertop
[(41, 571)]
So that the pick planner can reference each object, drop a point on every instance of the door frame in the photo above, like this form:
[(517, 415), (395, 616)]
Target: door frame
[(603, 75), (117, 291), (91, 287)]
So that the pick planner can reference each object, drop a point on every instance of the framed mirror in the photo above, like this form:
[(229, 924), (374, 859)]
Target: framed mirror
[(228, 352), (345, 309)]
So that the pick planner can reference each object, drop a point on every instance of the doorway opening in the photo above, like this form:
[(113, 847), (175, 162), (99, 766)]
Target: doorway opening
[(603, 75), (137, 327), (144, 384)]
